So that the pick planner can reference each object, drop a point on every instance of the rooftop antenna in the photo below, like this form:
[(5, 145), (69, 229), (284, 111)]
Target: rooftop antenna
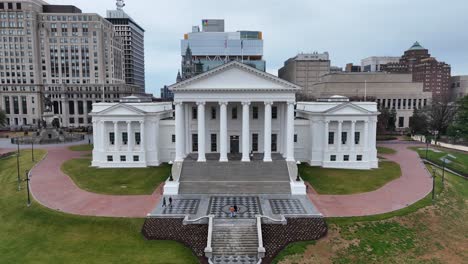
[(120, 4)]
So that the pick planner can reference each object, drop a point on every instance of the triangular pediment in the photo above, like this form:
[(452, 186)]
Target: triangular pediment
[(121, 110), (347, 109), (234, 76)]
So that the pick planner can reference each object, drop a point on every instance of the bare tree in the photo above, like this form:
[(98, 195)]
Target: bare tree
[(440, 115)]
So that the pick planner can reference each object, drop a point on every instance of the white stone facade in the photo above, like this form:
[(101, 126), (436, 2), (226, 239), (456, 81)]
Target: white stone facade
[(235, 109)]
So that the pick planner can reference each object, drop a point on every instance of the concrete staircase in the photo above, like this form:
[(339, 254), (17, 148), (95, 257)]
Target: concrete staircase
[(234, 177), (235, 241)]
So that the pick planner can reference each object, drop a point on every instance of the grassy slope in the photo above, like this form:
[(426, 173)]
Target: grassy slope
[(459, 164), (421, 233), (40, 235), (384, 150), (115, 181), (344, 181), (84, 147)]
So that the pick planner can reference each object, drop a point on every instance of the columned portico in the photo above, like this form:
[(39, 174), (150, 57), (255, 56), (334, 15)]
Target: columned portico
[(267, 132), (201, 131), (223, 131), (245, 131)]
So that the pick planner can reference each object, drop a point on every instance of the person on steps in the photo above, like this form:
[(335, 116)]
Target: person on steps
[(235, 210), (231, 211), (164, 202)]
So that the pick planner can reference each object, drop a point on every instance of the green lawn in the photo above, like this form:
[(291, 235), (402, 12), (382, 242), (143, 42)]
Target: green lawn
[(424, 232), (458, 163), (384, 150), (344, 181), (119, 181), (85, 147), (40, 235)]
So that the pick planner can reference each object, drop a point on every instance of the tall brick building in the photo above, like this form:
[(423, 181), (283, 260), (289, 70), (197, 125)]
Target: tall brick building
[(434, 75)]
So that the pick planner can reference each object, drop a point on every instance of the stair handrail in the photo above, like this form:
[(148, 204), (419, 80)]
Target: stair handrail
[(209, 249), (187, 220), (282, 220), (261, 248)]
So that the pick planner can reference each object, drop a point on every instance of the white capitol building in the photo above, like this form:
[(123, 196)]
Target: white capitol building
[(235, 114)]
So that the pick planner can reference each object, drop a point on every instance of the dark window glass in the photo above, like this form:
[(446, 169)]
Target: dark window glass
[(274, 112), (213, 143), (7, 104), (213, 112), (331, 138), (173, 138), (137, 138), (401, 121), (136, 158), (15, 105), (194, 142), (274, 142), (123, 158), (344, 137), (71, 107), (24, 106), (234, 113), (357, 137), (254, 142), (255, 112), (359, 157), (346, 157), (295, 138), (110, 158), (112, 138), (332, 157), (194, 113), (124, 138)]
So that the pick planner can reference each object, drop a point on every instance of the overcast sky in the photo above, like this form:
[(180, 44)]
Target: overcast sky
[(348, 30)]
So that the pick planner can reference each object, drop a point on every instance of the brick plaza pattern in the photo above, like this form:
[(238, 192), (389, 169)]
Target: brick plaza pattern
[(182, 206), (251, 203), (286, 206)]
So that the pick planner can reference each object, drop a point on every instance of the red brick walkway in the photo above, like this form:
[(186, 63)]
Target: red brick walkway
[(414, 184), (53, 189)]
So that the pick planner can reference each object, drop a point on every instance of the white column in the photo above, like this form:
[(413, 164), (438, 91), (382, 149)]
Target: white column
[(223, 131), (340, 129), (103, 143), (290, 132), (129, 136), (267, 132), (95, 134), (201, 131), (116, 136), (179, 130), (245, 131), (353, 131), (156, 141), (366, 133), (142, 141), (325, 133)]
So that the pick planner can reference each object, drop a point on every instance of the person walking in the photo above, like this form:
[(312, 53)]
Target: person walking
[(170, 202), (235, 210), (164, 202), (231, 211)]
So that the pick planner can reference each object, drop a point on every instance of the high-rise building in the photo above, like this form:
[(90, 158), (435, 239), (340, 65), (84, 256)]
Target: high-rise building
[(375, 63), (305, 69), (212, 47), (133, 45), (458, 87), (56, 59), (434, 75)]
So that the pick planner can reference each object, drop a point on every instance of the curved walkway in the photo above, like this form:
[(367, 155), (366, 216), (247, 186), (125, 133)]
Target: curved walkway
[(414, 184), (54, 189)]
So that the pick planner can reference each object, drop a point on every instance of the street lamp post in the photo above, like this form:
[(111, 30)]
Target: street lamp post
[(433, 183), (17, 164), (443, 172), (27, 187), (32, 149)]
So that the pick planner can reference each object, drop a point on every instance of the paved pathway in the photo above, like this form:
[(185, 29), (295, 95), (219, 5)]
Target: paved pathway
[(53, 189), (414, 184)]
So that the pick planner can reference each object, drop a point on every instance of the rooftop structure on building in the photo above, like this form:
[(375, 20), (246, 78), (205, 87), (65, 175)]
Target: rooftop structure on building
[(434, 75), (375, 63), (458, 87), (305, 69), (133, 37), (202, 50)]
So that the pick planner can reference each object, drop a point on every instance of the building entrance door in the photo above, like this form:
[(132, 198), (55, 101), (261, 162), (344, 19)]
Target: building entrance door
[(234, 143)]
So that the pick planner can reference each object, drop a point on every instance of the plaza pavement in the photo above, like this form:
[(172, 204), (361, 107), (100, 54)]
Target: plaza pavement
[(414, 184), (53, 189)]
